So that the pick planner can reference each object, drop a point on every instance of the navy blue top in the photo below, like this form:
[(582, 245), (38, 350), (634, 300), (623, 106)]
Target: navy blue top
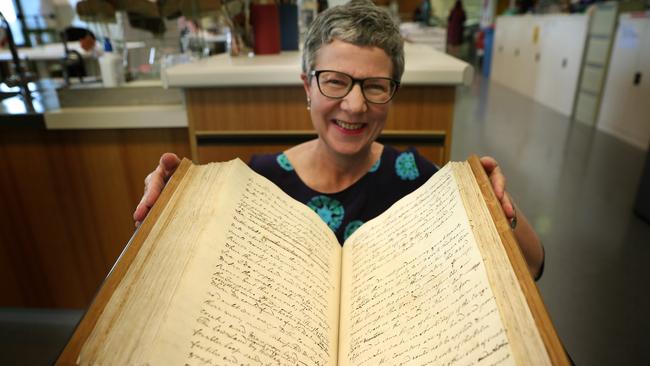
[(392, 177)]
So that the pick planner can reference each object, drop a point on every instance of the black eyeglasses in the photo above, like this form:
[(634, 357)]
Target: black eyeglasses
[(335, 84)]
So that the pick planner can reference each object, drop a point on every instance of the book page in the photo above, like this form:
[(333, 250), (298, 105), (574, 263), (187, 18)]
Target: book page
[(414, 288), (525, 338), (242, 274)]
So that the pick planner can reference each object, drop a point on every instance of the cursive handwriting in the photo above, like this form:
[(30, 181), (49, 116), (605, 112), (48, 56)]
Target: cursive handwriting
[(418, 290), (270, 288)]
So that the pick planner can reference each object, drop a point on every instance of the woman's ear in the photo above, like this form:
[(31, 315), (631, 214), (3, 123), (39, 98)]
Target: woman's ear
[(306, 84)]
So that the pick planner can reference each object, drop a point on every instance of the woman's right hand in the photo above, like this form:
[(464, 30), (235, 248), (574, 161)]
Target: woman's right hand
[(154, 184)]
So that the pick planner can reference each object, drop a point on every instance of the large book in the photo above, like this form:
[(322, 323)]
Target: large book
[(229, 270)]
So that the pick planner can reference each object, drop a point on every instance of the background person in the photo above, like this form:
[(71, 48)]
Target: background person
[(456, 28)]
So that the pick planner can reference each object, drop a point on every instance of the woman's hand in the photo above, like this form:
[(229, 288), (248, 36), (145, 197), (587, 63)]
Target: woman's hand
[(527, 238), (154, 184), (498, 180)]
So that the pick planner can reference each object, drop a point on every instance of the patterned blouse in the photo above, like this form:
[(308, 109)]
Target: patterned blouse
[(392, 177)]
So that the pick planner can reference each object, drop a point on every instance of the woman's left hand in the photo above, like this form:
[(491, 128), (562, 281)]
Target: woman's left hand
[(498, 181), (527, 238)]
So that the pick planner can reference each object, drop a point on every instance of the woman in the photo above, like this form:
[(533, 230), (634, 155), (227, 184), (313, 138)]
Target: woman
[(353, 59), (455, 28)]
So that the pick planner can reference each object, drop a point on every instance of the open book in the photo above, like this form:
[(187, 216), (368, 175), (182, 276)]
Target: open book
[(229, 270)]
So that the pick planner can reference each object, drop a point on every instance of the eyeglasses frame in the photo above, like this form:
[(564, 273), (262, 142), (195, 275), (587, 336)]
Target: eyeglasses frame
[(315, 73)]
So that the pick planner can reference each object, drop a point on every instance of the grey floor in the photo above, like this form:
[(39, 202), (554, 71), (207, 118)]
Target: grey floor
[(575, 184)]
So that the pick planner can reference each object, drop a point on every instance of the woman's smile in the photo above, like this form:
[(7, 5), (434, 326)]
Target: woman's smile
[(349, 128)]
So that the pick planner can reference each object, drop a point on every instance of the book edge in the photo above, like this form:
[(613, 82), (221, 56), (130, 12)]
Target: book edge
[(70, 354), (533, 297)]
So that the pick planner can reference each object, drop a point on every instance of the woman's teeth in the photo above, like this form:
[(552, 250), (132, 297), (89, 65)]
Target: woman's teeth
[(348, 126)]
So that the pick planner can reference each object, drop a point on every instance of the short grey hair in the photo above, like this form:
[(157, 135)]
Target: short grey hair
[(361, 23)]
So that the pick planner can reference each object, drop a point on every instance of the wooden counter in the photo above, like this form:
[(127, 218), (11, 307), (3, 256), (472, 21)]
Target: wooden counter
[(245, 105), (66, 200)]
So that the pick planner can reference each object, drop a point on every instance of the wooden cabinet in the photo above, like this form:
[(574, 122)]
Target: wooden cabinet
[(225, 123), (66, 204)]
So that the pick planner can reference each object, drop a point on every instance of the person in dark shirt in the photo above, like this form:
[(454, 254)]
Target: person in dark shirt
[(455, 28), (353, 60)]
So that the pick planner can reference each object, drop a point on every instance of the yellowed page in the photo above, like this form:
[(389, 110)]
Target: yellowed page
[(525, 339), (414, 287), (242, 274)]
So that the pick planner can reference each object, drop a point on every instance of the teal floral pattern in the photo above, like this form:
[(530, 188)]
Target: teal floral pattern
[(405, 166), (375, 166), (330, 210), (284, 163), (351, 228)]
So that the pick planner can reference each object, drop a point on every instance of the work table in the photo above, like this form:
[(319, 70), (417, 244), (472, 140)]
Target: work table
[(424, 66)]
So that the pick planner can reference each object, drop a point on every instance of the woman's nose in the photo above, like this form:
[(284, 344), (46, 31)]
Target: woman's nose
[(354, 102)]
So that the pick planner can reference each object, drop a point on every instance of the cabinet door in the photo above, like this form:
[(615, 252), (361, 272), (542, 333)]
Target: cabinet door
[(625, 105), (561, 50), (522, 72), (501, 54), (639, 110), (530, 34)]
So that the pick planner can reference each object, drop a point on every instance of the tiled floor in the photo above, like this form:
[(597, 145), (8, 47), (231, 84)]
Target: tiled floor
[(576, 185)]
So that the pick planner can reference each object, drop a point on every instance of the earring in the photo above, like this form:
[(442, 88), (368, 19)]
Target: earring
[(308, 104)]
